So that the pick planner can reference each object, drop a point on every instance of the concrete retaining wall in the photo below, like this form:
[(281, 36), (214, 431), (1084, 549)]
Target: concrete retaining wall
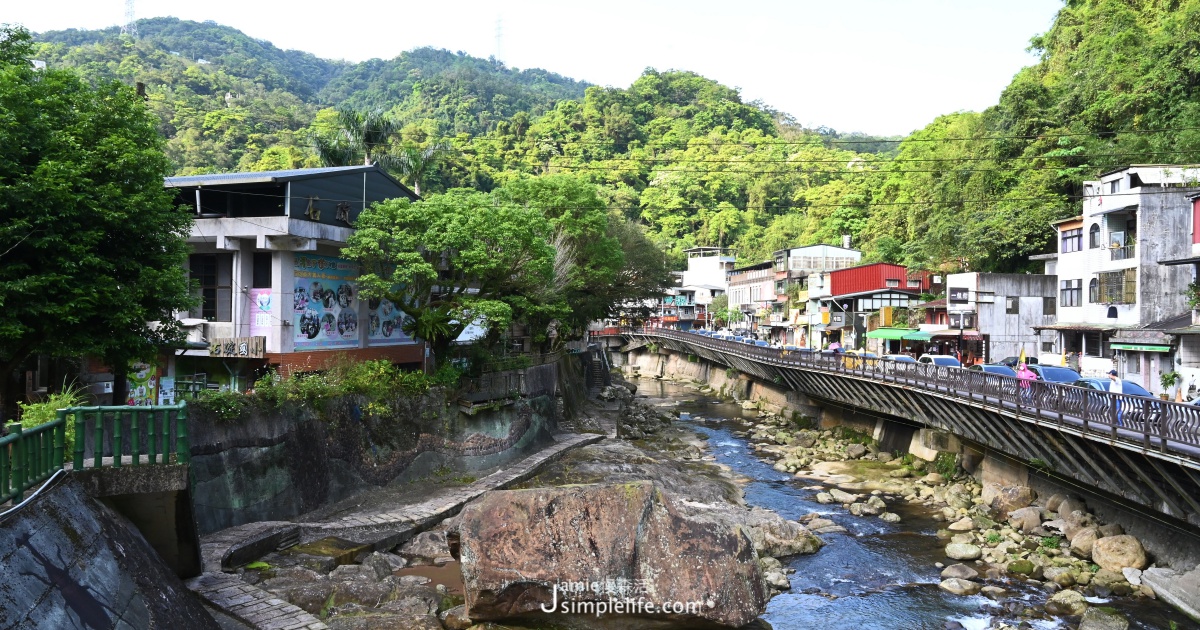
[(278, 465)]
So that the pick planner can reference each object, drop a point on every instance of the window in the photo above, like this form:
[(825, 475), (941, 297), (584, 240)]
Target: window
[(1094, 236), (1114, 186), (1070, 293), (1117, 287), (1094, 344), (1072, 240), (914, 284), (1093, 291), (262, 270), (1049, 306), (210, 276), (891, 284), (1012, 306), (1047, 346), (1133, 364)]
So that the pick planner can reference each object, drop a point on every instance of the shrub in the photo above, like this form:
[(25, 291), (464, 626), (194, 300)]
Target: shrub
[(222, 405), (945, 464), (39, 413)]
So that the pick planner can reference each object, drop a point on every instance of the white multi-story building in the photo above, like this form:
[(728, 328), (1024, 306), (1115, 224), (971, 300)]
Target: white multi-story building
[(793, 267), (1112, 291)]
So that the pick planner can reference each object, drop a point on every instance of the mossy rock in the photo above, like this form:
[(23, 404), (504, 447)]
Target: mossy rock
[(1021, 567)]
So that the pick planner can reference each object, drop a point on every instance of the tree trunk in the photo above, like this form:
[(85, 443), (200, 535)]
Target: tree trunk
[(120, 392)]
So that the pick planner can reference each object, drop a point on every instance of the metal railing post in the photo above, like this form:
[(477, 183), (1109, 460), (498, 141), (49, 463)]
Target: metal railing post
[(182, 448), (117, 440), (135, 438), (98, 444), (80, 438), (60, 439), (18, 462)]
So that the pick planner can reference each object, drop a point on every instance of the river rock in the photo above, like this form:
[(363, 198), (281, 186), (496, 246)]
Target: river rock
[(1102, 618), (1066, 603), (1061, 576), (841, 496), (456, 618), (426, 548), (965, 524), (1132, 575), (890, 517), (1083, 542), (1068, 506), (963, 551), (855, 451), (993, 592), (777, 580), (1117, 552), (1020, 567), (1055, 500), (1111, 529), (933, 479), (772, 535), (825, 498), (884, 456), (959, 586), (960, 571), (519, 546), (1010, 498)]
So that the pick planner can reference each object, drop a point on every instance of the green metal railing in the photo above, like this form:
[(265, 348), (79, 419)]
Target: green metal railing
[(150, 431), (30, 456)]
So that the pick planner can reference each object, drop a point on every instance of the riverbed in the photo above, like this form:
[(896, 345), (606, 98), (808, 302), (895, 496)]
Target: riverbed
[(876, 575)]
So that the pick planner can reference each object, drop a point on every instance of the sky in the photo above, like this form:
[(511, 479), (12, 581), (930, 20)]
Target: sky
[(883, 67)]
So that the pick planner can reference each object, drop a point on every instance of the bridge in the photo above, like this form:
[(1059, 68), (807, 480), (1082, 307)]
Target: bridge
[(1139, 449)]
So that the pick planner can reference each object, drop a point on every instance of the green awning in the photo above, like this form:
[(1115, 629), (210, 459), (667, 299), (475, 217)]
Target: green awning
[(889, 333), (1140, 347), (918, 336)]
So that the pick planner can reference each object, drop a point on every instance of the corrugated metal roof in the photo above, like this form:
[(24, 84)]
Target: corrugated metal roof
[(264, 177)]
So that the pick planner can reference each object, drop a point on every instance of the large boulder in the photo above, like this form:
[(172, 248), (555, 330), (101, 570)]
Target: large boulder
[(1102, 618), (1008, 498), (1117, 552), (959, 586), (1083, 542), (1067, 603), (963, 551), (1025, 519), (427, 548), (524, 552)]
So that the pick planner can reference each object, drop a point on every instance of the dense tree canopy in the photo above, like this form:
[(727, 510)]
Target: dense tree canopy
[(91, 248)]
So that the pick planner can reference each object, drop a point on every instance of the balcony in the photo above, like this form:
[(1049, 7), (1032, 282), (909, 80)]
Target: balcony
[(1127, 252)]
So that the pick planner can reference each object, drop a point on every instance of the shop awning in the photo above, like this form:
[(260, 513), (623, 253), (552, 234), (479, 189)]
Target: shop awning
[(889, 333), (919, 335), (1140, 347), (954, 332)]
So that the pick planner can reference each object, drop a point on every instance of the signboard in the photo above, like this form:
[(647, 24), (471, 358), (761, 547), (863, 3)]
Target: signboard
[(141, 385), (959, 295), (325, 302), (166, 390), (238, 347), (385, 323), (1140, 347), (261, 312)]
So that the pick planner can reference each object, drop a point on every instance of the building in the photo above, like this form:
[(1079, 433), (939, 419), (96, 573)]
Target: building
[(272, 290), (850, 295), (998, 313), (1112, 290), (788, 319), (752, 292), (708, 266)]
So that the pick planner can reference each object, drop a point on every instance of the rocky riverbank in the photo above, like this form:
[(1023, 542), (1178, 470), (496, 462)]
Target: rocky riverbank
[(999, 541)]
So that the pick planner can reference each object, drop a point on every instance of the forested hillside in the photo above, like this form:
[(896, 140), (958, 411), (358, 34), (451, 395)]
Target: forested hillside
[(686, 156)]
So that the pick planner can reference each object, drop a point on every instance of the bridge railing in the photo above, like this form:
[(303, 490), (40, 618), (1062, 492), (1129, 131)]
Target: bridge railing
[(156, 432), (29, 456), (1148, 422)]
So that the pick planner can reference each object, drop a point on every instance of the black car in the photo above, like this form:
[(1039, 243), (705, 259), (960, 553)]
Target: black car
[(1013, 361), (994, 368), (1052, 374)]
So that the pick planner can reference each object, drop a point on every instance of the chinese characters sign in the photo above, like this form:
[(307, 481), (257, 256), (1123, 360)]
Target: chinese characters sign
[(261, 312), (238, 347)]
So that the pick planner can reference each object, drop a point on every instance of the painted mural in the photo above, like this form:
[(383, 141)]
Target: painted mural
[(326, 303)]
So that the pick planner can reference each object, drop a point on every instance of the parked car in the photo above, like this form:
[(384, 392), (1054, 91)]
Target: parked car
[(1012, 361), (898, 358), (994, 368), (1051, 374), (760, 343), (860, 358), (1127, 387), (944, 360)]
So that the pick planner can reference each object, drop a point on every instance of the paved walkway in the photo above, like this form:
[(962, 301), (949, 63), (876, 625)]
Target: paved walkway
[(383, 529)]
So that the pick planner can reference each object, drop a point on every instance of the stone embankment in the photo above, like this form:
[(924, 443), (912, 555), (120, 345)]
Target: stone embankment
[(995, 536)]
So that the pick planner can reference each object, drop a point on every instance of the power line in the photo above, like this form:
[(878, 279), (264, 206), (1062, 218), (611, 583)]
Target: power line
[(749, 159)]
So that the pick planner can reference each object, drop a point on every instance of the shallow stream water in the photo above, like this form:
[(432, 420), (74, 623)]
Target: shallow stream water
[(877, 575)]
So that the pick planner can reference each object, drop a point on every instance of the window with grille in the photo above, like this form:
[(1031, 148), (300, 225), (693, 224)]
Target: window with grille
[(1116, 287)]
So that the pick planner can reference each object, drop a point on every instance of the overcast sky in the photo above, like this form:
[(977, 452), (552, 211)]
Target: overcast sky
[(877, 66)]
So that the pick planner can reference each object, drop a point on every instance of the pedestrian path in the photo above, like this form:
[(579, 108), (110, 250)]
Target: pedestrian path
[(227, 549)]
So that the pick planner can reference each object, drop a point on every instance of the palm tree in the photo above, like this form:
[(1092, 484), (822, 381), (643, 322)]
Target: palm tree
[(413, 162), (365, 136)]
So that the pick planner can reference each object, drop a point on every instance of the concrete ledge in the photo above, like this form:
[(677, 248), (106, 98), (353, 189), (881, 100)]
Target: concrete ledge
[(1180, 591), (144, 479), (251, 604)]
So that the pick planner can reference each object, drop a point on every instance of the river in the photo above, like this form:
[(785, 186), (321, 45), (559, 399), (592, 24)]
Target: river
[(877, 575)]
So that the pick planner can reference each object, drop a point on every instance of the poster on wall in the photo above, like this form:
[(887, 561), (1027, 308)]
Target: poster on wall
[(385, 323), (261, 312), (142, 385), (326, 303)]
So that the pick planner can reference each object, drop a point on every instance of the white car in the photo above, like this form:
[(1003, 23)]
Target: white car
[(944, 360)]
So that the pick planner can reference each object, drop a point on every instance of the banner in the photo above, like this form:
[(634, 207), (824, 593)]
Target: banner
[(385, 323), (261, 312), (325, 299), (141, 384)]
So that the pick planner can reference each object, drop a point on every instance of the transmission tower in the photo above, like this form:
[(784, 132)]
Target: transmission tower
[(130, 26), (499, 37)]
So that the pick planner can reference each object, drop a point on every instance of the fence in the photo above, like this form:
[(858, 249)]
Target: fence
[(1148, 423), (30, 456)]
